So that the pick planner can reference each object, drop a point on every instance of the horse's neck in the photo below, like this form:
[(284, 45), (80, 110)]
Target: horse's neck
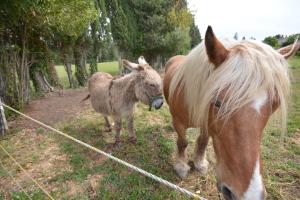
[(125, 87)]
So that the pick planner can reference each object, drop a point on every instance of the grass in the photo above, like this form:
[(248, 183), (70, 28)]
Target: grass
[(84, 174), (295, 62), (115, 176), (108, 67)]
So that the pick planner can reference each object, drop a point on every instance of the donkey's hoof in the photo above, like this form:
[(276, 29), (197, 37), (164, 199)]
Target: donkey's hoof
[(107, 129), (201, 166), (117, 142), (132, 140), (182, 169)]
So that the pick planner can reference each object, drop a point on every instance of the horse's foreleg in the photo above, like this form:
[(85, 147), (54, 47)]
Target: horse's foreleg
[(107, 124), (118, 127), (132, 136), (181, 166), (200, 162)]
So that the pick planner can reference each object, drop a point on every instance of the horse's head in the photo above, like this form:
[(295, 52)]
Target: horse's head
[(148, 87), (250, 82)]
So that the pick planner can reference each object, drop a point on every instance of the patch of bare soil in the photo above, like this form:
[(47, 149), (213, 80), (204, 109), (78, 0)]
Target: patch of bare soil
[(38, 153), (55, 107)]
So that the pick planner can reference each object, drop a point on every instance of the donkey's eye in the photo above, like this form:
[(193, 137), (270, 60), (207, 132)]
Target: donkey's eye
[(152, 85)]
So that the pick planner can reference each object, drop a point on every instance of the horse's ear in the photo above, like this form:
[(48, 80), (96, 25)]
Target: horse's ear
[(142, 60), (129, 65), (289, 50), (215, 50)]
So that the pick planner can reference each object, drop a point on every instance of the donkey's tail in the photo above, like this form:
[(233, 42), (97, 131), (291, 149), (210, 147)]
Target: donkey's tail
[(88, 96)]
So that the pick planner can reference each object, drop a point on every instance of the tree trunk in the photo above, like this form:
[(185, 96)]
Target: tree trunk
[(53, 78), (95, 50), (68, 68), (40, 84), (9, 89), (80, 73)]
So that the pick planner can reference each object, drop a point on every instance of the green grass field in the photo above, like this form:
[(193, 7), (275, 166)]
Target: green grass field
[(295, 62), (83, 174), (109, 67)]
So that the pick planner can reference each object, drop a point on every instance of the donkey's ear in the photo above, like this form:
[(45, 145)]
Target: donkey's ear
[(289, 50), (129, 65), (140, 68), (215, 50), (142, 60)]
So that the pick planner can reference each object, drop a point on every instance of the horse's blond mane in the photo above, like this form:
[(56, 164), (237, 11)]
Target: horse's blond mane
[(251, 67)]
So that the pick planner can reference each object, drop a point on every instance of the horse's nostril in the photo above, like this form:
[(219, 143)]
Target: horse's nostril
[(228, 195)]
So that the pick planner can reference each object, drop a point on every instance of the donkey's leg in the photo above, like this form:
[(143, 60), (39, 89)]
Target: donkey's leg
[(107, 124), (181, 166), (118, 127), (200, 162), (132, 136)]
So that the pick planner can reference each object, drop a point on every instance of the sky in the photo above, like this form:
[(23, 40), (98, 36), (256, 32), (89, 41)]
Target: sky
[(249, 18)]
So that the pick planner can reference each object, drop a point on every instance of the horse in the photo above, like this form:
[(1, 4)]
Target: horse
[(117, 96), (228, 89)]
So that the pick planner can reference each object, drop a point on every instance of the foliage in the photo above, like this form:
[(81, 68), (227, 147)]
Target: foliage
[(70, 18), (42, 32), (100, 35), (35, 29), (272, 41), (291, 38), (195, 35), (153, 28)]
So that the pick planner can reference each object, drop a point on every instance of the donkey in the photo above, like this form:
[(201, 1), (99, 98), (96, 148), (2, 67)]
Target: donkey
[(117, 96), (229, 89)]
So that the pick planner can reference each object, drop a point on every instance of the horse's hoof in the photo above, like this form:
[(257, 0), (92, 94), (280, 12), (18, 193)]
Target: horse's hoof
[(182, 169), (201, 166), (132, 140)]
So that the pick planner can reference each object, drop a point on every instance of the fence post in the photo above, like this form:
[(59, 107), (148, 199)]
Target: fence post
[(3, 122)]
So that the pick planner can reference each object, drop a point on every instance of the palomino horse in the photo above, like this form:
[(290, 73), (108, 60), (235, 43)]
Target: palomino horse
[(229, 89)]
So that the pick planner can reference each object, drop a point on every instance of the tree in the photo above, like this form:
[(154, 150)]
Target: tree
[(18, 20), (290, 39), (272, 41), (100, 34), (153, 28), (195, 35), (70, 21), (28, 31), (236, 36)]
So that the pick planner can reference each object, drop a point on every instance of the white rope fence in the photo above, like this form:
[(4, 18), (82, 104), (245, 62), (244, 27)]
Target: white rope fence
[(145, 173), (14, 180), (25, 172)]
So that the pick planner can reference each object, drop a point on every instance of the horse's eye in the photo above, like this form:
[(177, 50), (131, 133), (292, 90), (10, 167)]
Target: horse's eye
[(152, 85)]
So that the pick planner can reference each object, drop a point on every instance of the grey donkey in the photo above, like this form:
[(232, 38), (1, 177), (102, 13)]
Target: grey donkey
[(117, 96)]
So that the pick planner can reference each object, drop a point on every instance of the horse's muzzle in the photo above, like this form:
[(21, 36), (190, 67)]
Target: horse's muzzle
[(157, 102), (227, 194)]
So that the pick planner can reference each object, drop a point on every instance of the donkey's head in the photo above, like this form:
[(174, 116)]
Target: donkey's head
[(148, 85)]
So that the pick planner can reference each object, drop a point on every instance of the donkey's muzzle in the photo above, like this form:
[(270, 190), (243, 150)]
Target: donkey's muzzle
[(157, 102)]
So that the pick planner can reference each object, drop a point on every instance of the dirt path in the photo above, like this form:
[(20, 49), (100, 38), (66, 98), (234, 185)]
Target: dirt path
[(38, 153), (55, 107)]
